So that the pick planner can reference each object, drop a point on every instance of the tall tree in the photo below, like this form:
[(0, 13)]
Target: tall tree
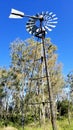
[(4, 95), (69, 86)]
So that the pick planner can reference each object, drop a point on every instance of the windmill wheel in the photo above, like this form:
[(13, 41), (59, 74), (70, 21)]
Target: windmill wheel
[(49, 21)]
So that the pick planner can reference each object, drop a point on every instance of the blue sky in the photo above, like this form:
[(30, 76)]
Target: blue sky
[(61, 36)]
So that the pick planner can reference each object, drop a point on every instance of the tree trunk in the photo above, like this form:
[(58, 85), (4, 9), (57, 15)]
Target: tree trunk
[(69, 112)]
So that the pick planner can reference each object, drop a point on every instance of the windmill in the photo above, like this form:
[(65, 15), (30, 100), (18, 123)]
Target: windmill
[(47, 21), (39, 25)]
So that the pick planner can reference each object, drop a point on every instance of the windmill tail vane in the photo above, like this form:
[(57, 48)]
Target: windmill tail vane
[(16, 14), (19, 15)]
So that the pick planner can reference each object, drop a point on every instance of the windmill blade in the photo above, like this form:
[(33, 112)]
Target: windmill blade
[(55, 18), (52, 19), (50, 13), (30, 22), (53, 15), (50, 25), (16, 14), (49, 29), (42, 12), (53, 22), (46, 13), (28, 26), (30, 32)]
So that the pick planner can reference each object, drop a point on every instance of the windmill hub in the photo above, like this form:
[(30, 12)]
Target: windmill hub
[(41, 17)]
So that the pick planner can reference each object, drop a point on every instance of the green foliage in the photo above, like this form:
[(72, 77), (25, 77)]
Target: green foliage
[(62, 107)]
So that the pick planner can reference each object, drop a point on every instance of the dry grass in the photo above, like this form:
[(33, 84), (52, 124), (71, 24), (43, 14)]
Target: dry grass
[(61, 124), (8, 128)]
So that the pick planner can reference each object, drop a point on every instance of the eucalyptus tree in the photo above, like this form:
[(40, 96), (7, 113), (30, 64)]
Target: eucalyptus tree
[(4, 93), (69, 86), (17, 73), (69, 81), (21, 68), (23, 54)]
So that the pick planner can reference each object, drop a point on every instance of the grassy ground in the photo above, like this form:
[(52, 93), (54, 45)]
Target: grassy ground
[(62, 125), (8, 128)]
